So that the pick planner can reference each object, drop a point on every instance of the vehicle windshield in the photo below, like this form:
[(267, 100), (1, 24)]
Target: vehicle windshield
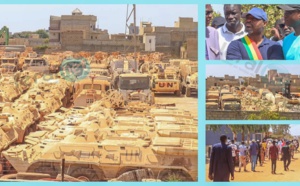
[(134, 83)]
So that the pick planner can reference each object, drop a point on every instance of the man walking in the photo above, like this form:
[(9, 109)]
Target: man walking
[(273, 154), (253, 153), (242, 156), (254, 46), (234, 149), (220, 165), (286, 156)]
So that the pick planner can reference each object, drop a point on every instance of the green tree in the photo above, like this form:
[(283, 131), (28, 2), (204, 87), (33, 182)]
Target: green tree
[(266, 114), (272, 11), (42, 33)]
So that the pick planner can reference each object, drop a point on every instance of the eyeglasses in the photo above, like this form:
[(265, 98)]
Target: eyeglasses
[(281, 25), (208, 12)]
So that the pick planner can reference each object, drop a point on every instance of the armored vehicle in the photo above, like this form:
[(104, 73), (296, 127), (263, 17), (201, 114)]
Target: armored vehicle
[(135, 87), (90, 90), (166, 81)]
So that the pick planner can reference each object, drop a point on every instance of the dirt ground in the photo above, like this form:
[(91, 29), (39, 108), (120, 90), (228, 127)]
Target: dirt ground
[(263, 173), (185, 103)]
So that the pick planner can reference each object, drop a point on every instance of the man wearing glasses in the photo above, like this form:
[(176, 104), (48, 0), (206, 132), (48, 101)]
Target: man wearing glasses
[(254, 46), (291, 43), (212, 51), (280, 30)]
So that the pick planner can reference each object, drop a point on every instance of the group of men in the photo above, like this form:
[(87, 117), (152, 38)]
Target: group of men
[(236, 40), (223, 156)]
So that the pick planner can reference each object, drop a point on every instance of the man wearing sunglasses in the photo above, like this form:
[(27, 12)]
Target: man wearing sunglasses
[(254, 46), (291, 43), (211, 39), (279, 31)]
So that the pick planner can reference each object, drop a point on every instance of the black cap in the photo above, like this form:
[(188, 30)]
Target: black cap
[(218, 21), (289, 7)]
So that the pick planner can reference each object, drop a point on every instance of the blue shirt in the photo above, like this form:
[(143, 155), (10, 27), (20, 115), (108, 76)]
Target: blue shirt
[(253, 149), (268, 49), (291, 47)]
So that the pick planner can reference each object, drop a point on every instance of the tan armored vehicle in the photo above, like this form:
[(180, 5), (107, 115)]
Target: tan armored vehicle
[(99, 145), (16, 121), (212, 99), (88, 160), (135, 87), (36, 64), (89, 90), (10, 58), (166, 81), (230, 102)]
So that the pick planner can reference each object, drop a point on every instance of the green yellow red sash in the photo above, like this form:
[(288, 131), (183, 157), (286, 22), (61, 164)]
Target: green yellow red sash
[(251, 48)]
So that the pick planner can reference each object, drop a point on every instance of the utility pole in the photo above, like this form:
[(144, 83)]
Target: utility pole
[(127, 31)]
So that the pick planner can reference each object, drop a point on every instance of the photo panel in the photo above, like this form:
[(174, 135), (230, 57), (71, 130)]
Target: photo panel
[(252, 153), (99, 92), (253, 90), (252, 32)]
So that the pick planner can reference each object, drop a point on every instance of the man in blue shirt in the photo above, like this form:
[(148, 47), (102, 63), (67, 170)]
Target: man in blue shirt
[(291, 43), (253, 153), (254, 46)]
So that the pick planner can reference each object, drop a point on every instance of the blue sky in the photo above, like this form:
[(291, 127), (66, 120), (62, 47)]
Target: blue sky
[(111, 17), (249, 68), (295, 129)]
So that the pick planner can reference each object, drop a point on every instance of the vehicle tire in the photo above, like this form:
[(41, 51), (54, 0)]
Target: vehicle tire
[(177, 93), (174, 175), (84, 174)]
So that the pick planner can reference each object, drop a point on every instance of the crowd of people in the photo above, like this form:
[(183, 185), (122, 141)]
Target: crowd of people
[(226, 154), (229, 38)]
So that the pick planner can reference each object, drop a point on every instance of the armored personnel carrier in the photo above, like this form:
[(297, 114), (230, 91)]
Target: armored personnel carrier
[(99, 145), (166, 81)]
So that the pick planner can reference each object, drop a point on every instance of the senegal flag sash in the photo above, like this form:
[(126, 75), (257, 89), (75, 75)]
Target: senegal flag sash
[(251, 48)]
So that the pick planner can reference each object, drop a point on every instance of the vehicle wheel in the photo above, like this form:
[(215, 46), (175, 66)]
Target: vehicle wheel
[(84, 174), (188, 92), (174, 176), (177, 93)]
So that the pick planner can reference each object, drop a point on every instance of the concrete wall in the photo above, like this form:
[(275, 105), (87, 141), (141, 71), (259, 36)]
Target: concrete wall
[(71, 38), (242, 115)]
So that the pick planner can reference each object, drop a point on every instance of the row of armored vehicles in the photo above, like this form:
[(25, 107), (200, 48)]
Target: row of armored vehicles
[(99, 144)]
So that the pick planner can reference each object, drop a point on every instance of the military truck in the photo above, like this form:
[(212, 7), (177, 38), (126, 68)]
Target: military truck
[(189, 78), (135, 87), (166, 81)]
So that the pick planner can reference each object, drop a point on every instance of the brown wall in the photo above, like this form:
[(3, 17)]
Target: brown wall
[(242, 115)]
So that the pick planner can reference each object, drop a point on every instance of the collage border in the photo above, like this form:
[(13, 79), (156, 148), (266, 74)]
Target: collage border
[(201, 93)]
